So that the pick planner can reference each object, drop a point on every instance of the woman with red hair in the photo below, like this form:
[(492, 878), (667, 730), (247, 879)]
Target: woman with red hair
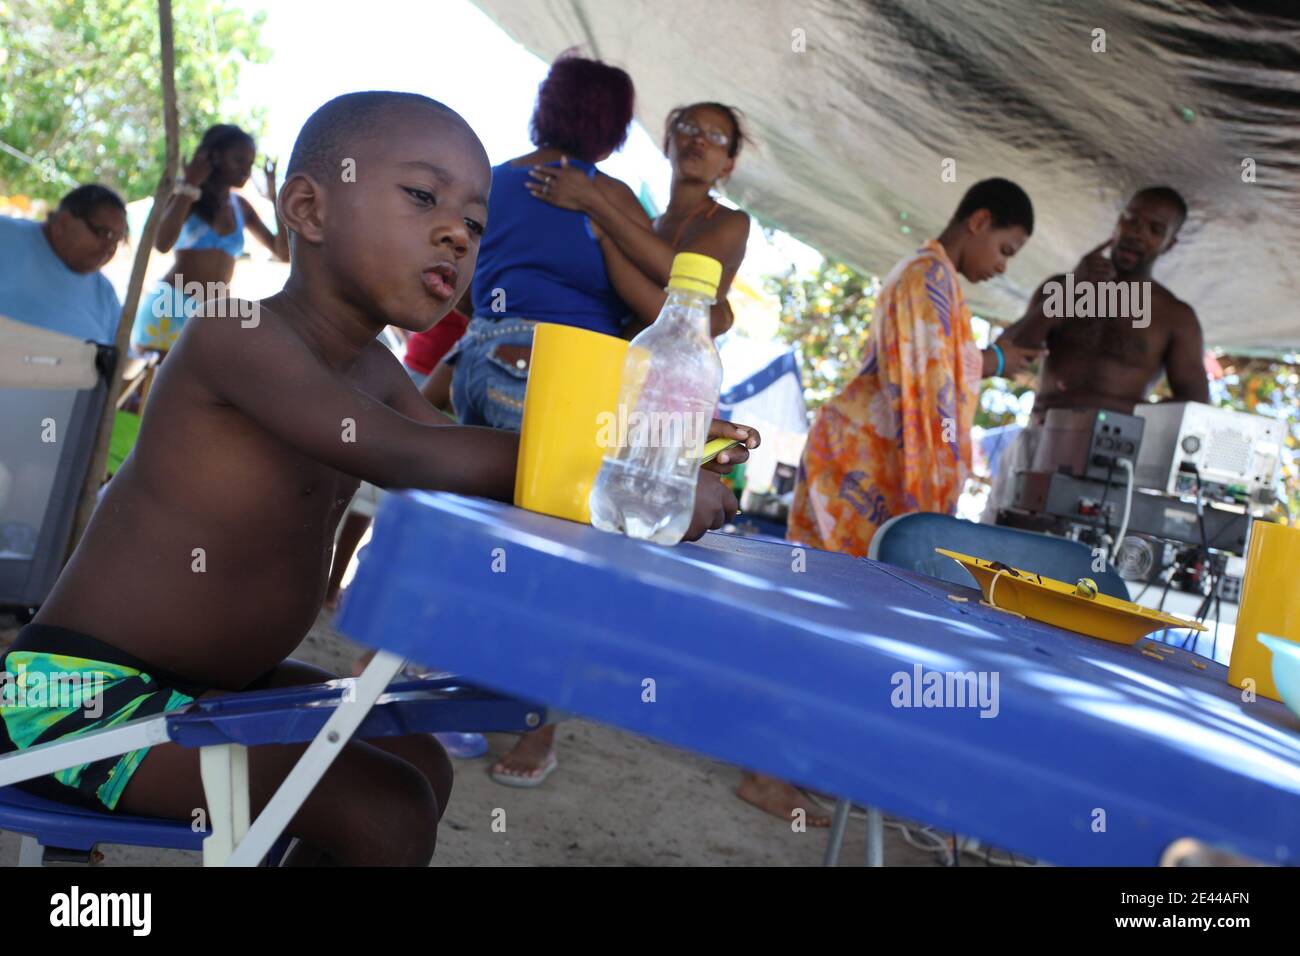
[(538, 263)]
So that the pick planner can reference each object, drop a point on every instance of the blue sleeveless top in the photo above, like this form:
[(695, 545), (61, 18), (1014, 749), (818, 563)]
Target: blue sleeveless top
[(197, 234), (538, 261)]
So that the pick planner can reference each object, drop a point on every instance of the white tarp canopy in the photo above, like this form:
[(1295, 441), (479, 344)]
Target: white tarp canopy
[(852, 130)]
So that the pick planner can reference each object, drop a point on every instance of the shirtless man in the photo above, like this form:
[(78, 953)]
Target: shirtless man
[(1109, 344)]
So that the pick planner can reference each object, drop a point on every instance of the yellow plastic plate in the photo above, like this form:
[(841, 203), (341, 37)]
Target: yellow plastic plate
[(1064, 605)]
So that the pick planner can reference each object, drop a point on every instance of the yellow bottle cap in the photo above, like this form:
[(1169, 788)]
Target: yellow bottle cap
[(695, 272)]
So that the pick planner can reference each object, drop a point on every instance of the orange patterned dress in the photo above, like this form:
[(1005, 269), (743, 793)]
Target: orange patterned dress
[(897, 439)]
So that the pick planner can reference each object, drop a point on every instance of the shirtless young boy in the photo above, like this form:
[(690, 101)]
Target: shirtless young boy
[(206, 562)]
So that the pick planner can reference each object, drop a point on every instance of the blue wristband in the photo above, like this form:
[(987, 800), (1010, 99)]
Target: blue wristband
[(1002, 362)]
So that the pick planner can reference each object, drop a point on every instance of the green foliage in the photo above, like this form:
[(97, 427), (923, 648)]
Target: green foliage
[(1271, 388), (1002, 401), (827, 315), (81, 88)]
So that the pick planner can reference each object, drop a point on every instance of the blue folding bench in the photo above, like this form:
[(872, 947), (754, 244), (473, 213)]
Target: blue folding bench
[(326, 715)]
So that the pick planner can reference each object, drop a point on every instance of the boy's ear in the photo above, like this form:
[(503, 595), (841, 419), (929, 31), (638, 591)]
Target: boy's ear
[(979, 221), (301, 205)]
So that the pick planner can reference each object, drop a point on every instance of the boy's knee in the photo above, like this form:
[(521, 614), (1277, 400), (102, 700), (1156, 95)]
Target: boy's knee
[(432, 761), (413, 827), (392, 822)]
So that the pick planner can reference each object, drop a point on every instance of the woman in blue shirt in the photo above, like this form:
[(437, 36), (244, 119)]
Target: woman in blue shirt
[(205, 221), (538, 263)]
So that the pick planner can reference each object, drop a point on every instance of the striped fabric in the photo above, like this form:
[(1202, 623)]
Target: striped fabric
[(47, 697)]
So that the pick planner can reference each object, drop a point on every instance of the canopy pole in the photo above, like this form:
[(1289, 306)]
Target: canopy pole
[(99, 458)]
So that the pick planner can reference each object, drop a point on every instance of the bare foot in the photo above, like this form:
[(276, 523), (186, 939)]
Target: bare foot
[(530, 758), (779, 798)]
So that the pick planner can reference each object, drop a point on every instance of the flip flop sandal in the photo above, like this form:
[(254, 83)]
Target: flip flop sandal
[(525, 783)]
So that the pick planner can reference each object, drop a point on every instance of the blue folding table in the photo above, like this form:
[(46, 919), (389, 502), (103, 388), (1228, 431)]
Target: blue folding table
[(798, 663)]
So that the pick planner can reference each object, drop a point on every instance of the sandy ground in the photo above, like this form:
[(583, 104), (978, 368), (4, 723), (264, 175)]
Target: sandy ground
[(616, 800)]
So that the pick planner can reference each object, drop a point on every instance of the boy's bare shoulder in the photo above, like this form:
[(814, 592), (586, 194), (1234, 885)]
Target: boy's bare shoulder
[(240, 325), (236, 336), (379, 367), (229, 319), (242, 334)]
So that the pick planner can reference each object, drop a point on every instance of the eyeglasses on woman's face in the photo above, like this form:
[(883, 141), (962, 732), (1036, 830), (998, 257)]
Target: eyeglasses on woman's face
[(690, 130)]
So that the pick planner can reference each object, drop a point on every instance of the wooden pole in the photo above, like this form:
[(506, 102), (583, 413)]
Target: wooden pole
[(99, 459)]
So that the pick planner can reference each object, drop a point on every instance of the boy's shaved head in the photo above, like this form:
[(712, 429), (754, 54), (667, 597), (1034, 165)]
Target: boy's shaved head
[(327, 137), (385, 200)]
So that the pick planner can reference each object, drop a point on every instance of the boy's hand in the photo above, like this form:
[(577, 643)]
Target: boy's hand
[(732, 456), (714, 506)]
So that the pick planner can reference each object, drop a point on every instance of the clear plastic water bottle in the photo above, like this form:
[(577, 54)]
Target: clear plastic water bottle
[(671, 379)]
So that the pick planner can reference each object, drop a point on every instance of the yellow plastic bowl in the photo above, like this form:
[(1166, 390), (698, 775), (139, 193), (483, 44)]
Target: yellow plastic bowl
[(1055, 602)]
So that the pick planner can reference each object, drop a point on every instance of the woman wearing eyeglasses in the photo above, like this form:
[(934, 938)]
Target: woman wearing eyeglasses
[(205, 221), (702, 142)]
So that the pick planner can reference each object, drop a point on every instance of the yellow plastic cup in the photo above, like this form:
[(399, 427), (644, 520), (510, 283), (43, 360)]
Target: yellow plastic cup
[(572, 394), (1270, 604)]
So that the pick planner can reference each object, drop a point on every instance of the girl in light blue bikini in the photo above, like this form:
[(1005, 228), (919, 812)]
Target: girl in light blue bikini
[(205, 221)]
